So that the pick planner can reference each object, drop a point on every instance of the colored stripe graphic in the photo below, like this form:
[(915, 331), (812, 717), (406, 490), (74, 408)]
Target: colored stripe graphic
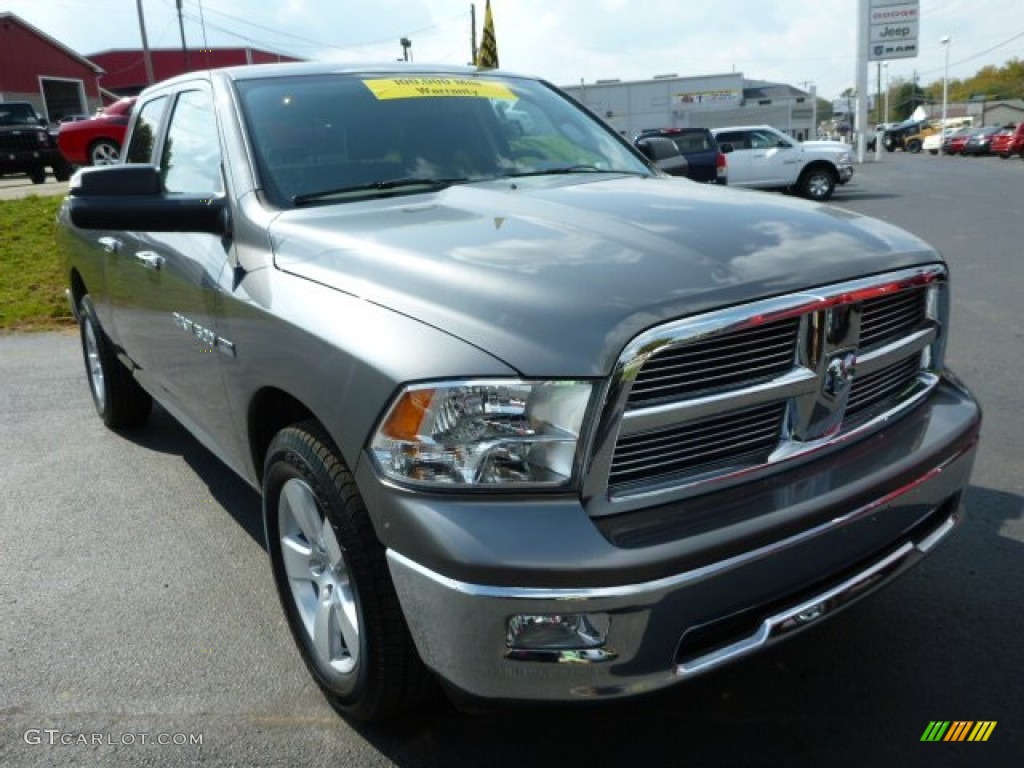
[(982, 730), (958, 730)]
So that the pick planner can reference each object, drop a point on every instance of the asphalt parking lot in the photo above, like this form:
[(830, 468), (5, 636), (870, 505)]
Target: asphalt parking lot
[(138, 607), (12, 187)]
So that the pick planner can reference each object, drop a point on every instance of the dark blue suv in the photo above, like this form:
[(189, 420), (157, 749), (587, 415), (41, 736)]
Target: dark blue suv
[(698, 146)]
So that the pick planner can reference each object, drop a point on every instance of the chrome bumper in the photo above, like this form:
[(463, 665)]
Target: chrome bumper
[(461, 629)]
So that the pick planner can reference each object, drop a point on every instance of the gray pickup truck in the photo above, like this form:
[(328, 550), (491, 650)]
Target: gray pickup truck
[(528, 416)]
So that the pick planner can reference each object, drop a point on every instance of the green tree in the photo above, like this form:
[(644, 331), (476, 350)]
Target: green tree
[(904, 98), (1005, 82)]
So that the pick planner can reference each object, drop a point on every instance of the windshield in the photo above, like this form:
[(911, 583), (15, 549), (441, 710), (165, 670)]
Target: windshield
[(18, 114), (331, 138)]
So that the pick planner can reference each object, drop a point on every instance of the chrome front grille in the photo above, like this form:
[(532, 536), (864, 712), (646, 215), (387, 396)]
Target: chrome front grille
[(733, 392), (891, 317), (746, 436), (877, 391), (734, 359)]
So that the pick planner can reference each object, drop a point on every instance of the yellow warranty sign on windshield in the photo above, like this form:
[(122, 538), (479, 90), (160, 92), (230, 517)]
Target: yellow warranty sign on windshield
[(429, 87)]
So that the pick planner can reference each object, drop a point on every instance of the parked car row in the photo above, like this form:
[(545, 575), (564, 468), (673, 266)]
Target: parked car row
[(989, 140), (755, 156)]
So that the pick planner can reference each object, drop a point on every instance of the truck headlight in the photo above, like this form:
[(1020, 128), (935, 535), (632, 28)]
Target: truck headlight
[(483, 433)]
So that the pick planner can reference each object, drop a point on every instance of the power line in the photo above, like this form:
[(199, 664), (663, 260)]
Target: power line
[(976, 55), (310, 42)]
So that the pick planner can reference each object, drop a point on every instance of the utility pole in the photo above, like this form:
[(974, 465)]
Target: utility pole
[(184, 48), (878, 93), (860, 123), (145, 44), (472, 34)]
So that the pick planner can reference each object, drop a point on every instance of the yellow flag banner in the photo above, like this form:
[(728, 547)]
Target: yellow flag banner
[(487, 56)]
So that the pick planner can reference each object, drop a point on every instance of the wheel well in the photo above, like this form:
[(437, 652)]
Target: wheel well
[(270, 411), (104, 140), (819, 165)]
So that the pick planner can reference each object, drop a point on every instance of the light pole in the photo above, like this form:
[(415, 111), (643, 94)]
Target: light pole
[(885, 66), (944, 41)]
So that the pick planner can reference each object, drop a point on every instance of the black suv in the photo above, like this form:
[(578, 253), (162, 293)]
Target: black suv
[(705, 161), (27, 146)]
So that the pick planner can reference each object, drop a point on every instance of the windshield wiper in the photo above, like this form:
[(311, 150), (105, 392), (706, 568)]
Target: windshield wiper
[(384, 185), (561, 170)]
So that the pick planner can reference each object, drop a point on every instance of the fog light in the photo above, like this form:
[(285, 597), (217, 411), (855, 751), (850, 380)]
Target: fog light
[(559, 631)]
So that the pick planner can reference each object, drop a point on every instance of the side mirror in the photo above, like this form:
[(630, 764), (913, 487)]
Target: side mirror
[(725, 148), (131, 197), (664, 154)]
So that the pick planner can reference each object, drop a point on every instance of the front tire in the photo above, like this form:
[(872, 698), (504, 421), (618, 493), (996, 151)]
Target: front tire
[(333, 581), (817, 183), (914, 146), (62, 170), (119, 400)]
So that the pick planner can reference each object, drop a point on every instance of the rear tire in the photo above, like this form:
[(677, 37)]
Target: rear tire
[(104, 152), (38, 175), (119, 400), (333, 581), (914, 146)]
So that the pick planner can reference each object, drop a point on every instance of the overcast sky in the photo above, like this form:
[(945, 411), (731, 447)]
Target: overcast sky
[(793, 41)]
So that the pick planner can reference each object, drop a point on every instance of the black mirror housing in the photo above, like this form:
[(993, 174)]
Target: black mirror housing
[(132, 197)]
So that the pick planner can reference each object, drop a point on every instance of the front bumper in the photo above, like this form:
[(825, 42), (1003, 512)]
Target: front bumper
[(669, 616), (845, 173), (22, 161)]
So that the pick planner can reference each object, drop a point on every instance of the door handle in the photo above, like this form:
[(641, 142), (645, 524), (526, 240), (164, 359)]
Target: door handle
[(150, 260), (110, 244)]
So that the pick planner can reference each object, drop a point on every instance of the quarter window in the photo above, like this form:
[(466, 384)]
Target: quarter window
[(144, 134)]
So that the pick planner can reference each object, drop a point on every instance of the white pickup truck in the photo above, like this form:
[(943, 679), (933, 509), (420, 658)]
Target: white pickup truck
[(765, 158)]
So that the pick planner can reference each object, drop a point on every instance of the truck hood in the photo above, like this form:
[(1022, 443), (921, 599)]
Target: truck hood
[(554, 275)]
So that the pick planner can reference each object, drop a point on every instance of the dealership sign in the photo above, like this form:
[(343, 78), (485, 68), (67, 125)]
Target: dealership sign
[(893, 29)]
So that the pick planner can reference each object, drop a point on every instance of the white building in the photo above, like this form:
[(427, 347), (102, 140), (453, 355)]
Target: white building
[(709, 101)]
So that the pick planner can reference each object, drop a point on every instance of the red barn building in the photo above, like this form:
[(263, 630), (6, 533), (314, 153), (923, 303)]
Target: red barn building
[(126, 68), (36, 68), (58, 81)]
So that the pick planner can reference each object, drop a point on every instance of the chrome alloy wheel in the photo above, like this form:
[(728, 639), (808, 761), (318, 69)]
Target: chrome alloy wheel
[(94, 365), (319, 578), (819, 186), (104, 153)]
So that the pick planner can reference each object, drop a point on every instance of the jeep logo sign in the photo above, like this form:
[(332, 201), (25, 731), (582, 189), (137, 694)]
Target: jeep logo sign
[(904, 31)]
